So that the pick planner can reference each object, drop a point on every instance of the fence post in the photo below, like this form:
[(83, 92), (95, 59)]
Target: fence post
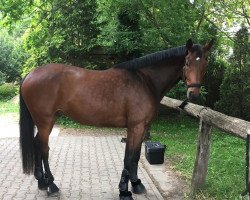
[(202, 157)]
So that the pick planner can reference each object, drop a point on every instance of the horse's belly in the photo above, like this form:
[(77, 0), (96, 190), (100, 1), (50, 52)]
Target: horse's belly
[(105, 116)]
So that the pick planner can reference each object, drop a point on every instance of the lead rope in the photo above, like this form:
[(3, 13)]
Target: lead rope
[(247, 191), (183, 104)]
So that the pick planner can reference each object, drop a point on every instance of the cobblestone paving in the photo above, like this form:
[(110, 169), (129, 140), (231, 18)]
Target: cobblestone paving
[(84, 167)]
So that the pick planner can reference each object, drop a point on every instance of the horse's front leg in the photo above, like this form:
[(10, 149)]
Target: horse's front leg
[(132, 156), (137, 186)]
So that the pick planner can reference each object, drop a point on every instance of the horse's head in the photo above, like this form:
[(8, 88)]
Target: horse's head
[(195, 67)]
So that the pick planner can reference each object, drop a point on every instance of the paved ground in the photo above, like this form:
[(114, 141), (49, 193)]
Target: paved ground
[(84, 166)]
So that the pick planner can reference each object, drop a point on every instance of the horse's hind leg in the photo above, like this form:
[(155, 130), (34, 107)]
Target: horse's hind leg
[(39, 173), (132, 156), (42, 155)]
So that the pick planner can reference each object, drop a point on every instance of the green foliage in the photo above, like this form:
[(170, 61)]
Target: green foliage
[(226, 169), (179, 91), (98, 33), (11, 57), (214, 77), (127, 41), (8, 91), (69, 123), (65, 32), (234, 91)]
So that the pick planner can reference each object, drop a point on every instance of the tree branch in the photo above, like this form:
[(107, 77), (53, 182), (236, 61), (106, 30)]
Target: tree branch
[(154, 21), (245, 14), (200, 21), (215, 26)]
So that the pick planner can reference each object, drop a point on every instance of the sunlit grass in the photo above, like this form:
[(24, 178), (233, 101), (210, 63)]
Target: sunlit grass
[(7, 107)]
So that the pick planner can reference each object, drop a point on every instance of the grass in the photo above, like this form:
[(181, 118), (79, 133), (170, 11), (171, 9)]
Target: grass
[(8, 107), (226, 169), (69, 123), (7, 92)]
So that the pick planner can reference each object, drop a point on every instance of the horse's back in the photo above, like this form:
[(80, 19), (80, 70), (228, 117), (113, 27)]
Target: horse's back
[(44, 79)]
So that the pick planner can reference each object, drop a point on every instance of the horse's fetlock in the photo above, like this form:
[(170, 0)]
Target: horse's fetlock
[(123, 185)]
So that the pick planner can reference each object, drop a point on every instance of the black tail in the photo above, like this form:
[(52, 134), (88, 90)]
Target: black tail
[(26, 137)]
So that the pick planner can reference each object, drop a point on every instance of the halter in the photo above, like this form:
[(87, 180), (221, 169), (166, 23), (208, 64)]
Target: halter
[(195, 85), (192, 85)]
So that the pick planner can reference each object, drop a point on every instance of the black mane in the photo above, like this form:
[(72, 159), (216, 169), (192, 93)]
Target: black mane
[(153, 58)]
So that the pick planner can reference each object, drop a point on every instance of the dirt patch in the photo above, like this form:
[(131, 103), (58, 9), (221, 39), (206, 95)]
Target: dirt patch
[(15, 99)]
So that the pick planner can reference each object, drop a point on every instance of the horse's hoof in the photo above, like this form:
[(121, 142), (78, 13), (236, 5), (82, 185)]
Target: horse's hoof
[(125, 195), (126, 198), (52, 190), (123, 140), (138, 187), (42, 185)]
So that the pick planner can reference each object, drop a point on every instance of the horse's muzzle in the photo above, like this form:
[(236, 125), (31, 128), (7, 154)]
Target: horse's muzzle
[(192, 96)]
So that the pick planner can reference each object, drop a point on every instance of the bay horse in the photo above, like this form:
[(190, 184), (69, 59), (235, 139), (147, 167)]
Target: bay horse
[(126, 95)]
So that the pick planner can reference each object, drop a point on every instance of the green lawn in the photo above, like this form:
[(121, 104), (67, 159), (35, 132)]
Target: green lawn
[(226, 171), (8, 107)]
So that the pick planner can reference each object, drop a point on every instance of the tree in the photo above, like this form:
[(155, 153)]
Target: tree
[(224, 15), (127, 44), (66, 33), (235, 88), (11, 57), (58, 31)]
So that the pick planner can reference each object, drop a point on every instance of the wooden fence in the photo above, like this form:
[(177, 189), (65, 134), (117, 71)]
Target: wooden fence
[(208, 119)]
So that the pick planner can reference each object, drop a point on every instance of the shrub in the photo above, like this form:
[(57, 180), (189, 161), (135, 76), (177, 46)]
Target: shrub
[(8, 91)]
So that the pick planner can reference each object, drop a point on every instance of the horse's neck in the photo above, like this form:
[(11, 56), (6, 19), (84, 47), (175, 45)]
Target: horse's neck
[(164, 76)]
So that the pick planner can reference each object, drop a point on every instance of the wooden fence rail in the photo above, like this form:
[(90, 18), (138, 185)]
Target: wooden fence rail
[(208, 119)]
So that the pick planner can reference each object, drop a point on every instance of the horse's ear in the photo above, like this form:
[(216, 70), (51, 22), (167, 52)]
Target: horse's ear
[(189, 44), (209, 45)]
